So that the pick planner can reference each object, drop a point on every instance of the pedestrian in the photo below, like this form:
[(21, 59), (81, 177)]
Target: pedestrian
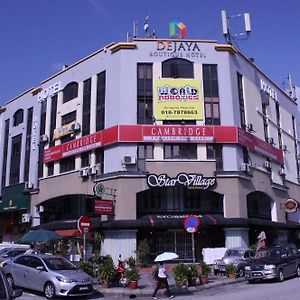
[(162, 280)]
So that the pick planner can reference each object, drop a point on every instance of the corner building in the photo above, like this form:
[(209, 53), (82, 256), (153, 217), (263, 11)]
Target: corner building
[(139, 135)]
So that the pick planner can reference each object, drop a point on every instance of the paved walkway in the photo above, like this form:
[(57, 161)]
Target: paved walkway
[(146, 285)]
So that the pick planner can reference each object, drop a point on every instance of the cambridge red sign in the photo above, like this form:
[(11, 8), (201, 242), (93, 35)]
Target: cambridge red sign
[(84, 224), (163, 134)]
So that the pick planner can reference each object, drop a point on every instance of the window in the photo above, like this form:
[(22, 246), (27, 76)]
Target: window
[(4, 162), (177, 68), (278, 124), (18, 117), (144, 94), (211, 95), (99, 153), (53, 119), (28, 143), (67, 164), (15, 159), (85, 159), (86, 107), (50, 168), (35, 262), (70, 92), (144, 152), (100, 101), (214, 151), (241, 101), (259, 205), (179, 151)]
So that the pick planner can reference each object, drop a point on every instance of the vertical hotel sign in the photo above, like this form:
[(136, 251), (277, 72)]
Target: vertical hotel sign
[(178, 99)]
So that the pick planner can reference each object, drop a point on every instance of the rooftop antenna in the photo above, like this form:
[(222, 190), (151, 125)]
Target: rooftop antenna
[(229, 36), (148, 31), (291, 90), (135, 29)]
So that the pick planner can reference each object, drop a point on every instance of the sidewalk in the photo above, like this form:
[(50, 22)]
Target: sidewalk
[(146, 285)]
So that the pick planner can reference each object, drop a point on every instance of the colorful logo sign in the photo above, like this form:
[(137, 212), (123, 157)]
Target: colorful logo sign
[(174, 27), (177, 99)]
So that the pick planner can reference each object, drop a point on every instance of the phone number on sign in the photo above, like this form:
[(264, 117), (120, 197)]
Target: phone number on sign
[(178, 112)]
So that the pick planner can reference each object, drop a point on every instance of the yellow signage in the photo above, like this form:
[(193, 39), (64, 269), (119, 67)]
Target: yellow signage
[(178, 99), (64, 130)]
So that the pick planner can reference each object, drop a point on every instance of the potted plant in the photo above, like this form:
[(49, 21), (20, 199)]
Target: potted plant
[(231, 271), (193, 275), (205, 270), (181, 274), (107, 271), (132, 273)]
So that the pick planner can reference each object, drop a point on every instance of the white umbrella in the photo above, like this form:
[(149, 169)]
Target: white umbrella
[(165, 256)]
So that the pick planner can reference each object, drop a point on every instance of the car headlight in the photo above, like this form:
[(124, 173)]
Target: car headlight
[(248, 268), (269, 267), (65, 280)]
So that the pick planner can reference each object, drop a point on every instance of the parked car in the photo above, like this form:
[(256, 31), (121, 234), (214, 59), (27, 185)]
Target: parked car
[(6, 291), (278, 262), (8, 253), (239, 257), (51, 274)]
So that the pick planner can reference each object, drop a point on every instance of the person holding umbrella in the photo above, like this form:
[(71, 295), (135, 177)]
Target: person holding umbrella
[(162, 279)]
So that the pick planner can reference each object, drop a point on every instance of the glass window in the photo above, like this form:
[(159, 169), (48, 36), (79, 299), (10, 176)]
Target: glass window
[(70, 91), (85, 159), (144, 152), (177, 68), (67, 164), (86, 107), (259, 206), (23, 260), (35, 262), (145, 94), (174, 151), (100, 100), (18, 117), (15, 159)]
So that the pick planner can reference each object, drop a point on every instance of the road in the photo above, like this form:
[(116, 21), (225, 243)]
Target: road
[(288, 289)]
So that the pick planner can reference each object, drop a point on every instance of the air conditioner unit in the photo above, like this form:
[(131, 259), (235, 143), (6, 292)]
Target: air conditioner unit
[(270, 140), (245, 167), (93, 170), (249, 128), (282, 172), (44, 138), (75, 126), (267, 164), (26, 218), (129, 160), (28, 185), (84, 173), (284, 148)]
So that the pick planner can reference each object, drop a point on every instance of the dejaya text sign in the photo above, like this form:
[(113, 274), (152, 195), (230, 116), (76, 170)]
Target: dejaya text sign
[(177, 99)]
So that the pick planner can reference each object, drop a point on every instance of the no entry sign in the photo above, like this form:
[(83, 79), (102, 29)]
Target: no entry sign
[(84, 224), (191, 224)]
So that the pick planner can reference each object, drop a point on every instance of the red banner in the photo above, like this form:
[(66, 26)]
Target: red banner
[(103, 207), (163, 134)]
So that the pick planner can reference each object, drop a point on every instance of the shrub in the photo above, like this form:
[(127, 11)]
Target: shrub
[(181, 274), (193, 272), (107, 269), (87, 268), (132, 274), (143, 252), (231, 270), (205, 268)]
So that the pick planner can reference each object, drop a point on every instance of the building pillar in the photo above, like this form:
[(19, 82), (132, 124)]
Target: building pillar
[(236, 237)]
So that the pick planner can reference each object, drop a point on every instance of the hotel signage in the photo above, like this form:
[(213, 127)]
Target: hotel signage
[(182, 179), (266, 88), (49, 91), (181, 49)]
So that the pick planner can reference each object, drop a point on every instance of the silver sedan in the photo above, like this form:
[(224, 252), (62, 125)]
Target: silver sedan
[(50, 274)]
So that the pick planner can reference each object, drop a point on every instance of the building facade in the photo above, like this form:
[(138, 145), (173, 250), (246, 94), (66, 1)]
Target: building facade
[(140, 135)]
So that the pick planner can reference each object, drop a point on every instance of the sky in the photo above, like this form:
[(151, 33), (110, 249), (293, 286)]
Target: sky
[(38, 37)]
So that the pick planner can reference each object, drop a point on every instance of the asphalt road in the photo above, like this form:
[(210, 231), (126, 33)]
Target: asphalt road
[(288, 289)]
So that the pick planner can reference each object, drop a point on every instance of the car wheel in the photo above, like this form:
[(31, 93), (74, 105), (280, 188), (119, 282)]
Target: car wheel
[(240, 272), (280, 276), (49, 290), (10, 280), (298, 271)]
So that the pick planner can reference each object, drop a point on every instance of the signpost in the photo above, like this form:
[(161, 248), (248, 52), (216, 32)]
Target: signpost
[(84, 225), (191, 224)]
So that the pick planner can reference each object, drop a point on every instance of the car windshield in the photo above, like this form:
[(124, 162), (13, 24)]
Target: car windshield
[(268, 253), (59, 263), (234, 252), (3, 251)]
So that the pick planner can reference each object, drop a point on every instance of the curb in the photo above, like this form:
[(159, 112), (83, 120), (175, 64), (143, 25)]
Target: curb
[(177, 291)]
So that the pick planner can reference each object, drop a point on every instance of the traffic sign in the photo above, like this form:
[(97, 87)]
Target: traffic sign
[(84, 224), (191, 224)]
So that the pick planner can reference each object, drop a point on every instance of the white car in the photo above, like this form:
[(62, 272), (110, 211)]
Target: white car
[(51, 274)]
